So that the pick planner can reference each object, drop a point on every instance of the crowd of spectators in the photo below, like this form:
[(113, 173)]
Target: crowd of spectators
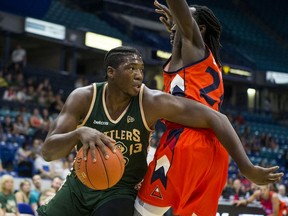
[(25, 127)]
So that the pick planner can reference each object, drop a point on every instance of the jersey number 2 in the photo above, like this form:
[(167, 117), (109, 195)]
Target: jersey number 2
[(205, 91)]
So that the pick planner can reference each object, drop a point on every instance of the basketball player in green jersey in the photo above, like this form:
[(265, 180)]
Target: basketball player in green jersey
[(123, 112)]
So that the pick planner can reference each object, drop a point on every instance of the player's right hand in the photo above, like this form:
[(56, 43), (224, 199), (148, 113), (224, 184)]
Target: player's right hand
[(263, 176), (90, 138)]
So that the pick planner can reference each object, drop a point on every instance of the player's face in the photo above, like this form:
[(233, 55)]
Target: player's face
[(130, 74)]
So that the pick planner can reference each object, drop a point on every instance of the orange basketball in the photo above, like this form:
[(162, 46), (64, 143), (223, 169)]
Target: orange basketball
[(102, 174)]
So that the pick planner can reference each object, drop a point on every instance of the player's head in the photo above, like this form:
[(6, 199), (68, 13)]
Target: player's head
[(124, 70), (212, 28), (115, 57)]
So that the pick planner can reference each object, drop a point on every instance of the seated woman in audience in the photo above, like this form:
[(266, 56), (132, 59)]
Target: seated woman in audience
[(8, 204), (22, 196), (269, 200)]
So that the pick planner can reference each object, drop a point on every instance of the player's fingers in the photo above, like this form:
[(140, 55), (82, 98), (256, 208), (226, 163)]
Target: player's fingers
[(110, 143), (102, 148), (92, 151), (85, 149), (160, 12), (162, 7), (275, 176)]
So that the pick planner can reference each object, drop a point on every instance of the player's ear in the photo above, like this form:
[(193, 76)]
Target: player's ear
[(110, 72), (202, 29)]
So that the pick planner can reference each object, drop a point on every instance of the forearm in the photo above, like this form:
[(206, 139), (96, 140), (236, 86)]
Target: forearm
[(57, 146), (230, 140)]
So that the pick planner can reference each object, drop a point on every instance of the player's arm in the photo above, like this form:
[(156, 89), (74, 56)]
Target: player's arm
[(250, 199), (185, 22), (275, 204), (64, 134), (193, 114)]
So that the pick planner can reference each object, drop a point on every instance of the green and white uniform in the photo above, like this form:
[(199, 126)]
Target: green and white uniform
[(131, 133)]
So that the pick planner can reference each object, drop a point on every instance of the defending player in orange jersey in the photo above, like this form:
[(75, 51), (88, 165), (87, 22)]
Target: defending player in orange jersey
[(190, 166)]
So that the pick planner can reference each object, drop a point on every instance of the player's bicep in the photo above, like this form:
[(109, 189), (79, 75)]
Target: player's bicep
[(71, 113)]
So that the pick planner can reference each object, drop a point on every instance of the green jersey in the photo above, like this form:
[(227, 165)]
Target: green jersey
[(130, 131)]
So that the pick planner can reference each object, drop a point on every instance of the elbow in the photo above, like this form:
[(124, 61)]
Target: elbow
[(46, 154)]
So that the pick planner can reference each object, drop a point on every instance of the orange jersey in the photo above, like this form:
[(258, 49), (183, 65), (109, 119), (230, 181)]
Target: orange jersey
[(190, 166), (201, 81)]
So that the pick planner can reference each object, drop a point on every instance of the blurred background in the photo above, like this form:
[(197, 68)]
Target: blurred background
[(50, 47)]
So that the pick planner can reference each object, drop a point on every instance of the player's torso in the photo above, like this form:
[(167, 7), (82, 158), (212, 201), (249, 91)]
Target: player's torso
[(201, 81), (128, 130)]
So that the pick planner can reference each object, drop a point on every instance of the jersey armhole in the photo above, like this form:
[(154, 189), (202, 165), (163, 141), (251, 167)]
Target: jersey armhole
[(91, 105), (142, 110)]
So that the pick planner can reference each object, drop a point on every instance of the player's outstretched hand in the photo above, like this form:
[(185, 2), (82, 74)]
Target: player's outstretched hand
[(166, 17), (262, 176)]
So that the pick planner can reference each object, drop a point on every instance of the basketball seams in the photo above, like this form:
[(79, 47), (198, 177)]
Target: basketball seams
[(87, 173), (120, 162), (101, 175), (104, 165)]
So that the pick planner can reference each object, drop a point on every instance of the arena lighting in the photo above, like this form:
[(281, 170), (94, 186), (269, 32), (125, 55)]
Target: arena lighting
[(227, 69), (44, 28), (101, 41), (162, 54), (276, 77), (251, 91)]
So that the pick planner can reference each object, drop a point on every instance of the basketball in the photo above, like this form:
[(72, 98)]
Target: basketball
[(102, 174)]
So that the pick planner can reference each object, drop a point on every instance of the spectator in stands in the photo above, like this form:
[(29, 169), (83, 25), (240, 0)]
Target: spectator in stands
[(3, 82), (238, 190), (1, 167), (36, 119), (20, 126), (7, 125), (46, 196), (269, 200), (19, 56), (80, 82), (36, 192), (56, 183), (68, 164), (228, 191), (44, 86), (23, 194), (10, 94), (41, 166), (57, 168), (282, 193), (57, 104), (24, 160), (8, 203)]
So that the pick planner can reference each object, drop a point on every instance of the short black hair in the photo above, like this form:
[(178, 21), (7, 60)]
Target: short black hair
[(204, 16), (115, 57)]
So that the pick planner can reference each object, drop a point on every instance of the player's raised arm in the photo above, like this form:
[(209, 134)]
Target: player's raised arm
[(193, 114)]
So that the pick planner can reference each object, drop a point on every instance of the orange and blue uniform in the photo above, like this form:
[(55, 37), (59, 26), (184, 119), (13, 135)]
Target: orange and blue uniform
[(190, 166)]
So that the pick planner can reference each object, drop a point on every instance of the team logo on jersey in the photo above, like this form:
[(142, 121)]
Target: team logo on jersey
[(177, 86), (123, 148), (157, 193), (130, 119)]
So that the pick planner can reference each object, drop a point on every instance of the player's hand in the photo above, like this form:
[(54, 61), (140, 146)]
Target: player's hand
[(167, 18), (262, 176), (239, 202), (90, 137)]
